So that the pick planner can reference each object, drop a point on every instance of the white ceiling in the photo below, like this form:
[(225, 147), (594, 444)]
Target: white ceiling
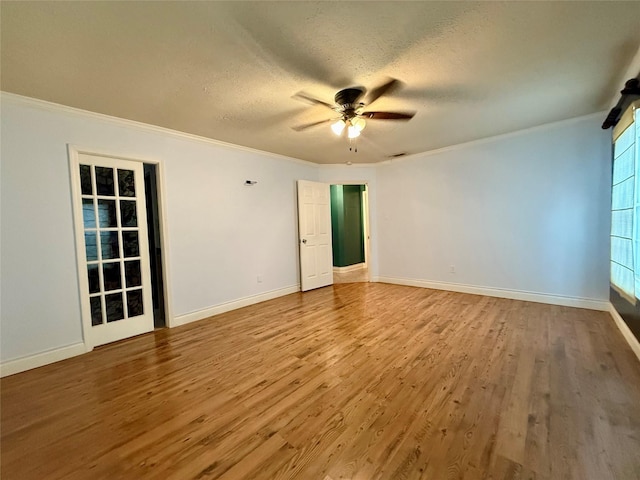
[(228, 70)]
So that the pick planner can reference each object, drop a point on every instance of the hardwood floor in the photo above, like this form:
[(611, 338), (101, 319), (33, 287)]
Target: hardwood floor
[(355, 381)]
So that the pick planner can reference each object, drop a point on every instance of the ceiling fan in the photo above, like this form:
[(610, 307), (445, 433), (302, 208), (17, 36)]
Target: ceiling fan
[(350, 109)]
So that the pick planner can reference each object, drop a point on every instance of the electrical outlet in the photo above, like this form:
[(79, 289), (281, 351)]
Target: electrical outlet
[(259, 278), (452, 269)]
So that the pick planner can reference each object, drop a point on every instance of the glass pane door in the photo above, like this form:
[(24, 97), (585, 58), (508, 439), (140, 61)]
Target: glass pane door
[(118, 295)]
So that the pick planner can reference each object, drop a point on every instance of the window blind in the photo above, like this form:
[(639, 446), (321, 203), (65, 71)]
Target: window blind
[(625, 212)]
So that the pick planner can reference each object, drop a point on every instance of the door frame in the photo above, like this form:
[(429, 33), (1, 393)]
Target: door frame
[(74, 152), (367, 221)]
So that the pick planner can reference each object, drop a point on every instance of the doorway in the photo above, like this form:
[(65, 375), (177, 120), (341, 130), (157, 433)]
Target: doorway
[(155, 244), (119, 246), (350, 232)]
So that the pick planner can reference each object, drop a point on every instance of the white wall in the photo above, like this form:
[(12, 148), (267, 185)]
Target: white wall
[(221, 233), (358, 175), (527, 212), (523, 212)]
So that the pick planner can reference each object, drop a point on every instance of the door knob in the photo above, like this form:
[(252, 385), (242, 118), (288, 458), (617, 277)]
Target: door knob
[(304, 240)]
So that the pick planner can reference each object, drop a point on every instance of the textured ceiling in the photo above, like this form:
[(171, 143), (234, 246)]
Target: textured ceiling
[(228, 70)]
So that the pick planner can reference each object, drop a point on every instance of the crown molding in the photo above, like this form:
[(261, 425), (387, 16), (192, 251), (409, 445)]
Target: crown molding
[(353, 165), (495, 138), (77, 112)]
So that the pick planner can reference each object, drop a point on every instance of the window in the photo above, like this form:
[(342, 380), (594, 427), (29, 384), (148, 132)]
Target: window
[(625, 213)]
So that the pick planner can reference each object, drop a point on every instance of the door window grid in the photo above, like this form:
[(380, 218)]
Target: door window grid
[(130, 297)]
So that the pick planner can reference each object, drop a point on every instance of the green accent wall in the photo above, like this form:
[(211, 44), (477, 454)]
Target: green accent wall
[(347, 227)]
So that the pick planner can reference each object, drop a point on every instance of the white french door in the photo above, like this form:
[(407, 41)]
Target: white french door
[(314, 225), (113, 256)]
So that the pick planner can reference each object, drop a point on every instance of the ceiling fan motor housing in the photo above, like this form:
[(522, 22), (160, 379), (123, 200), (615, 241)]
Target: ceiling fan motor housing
[(348, 97)]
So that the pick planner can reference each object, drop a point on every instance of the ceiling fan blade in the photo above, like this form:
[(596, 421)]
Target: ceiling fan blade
[(305, 97), (383, 89), (299, 128), (388, 115)]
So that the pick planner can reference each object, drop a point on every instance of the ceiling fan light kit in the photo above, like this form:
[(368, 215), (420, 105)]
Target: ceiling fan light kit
[(354, 126), (338, 127), (358, 123), (352, 132), (348, 105)]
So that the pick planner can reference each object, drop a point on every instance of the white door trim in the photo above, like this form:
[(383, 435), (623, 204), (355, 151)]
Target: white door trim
[(74, 152)]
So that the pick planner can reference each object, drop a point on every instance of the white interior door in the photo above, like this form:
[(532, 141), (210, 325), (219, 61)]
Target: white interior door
[(314, 225), (113, 256)]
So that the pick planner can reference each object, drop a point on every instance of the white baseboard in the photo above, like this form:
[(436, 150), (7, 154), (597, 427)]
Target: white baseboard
[(349, 268), (589, 303), (233, 305), (626, 331), (39, 359)]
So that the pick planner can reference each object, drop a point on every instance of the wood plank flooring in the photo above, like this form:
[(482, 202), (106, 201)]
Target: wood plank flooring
[(355, 381)]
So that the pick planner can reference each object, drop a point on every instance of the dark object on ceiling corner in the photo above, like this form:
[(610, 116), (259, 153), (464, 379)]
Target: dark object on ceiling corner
[(628, 94)]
